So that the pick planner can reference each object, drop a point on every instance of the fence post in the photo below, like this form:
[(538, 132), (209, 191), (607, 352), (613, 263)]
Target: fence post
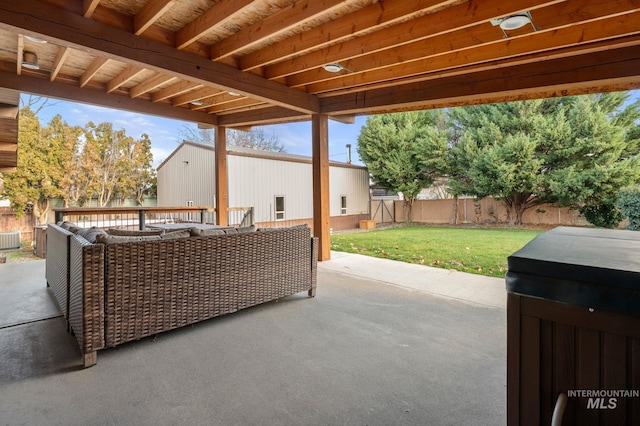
[(141, 217)]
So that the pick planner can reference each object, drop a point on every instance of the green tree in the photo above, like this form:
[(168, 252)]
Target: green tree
[(574, 151), (140, 177), (64, 140), (404, 152), (40, 167), (114, 165)]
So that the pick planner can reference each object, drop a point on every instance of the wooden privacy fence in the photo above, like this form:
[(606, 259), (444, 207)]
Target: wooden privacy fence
[(9, 222), (486, 210)]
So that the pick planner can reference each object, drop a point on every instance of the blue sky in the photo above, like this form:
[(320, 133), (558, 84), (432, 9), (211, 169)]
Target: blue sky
[(167, 134)]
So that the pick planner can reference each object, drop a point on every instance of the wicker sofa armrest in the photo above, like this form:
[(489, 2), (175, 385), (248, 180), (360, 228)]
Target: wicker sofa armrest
[(86, 296), (57, 265)]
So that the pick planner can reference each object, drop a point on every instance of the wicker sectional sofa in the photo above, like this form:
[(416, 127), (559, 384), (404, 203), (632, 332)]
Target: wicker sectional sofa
[(116, 292)]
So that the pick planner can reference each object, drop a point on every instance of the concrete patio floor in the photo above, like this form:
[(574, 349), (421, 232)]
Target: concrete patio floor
[(383, 343)]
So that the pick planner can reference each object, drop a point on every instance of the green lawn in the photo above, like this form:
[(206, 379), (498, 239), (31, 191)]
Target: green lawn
[(476, 250)]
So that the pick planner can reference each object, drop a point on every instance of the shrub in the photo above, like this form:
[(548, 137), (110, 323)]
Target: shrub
[(629, 204), (605, 215)]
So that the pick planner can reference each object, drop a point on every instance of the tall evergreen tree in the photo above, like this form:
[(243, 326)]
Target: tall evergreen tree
[(40, 166), (574, 151), (404, 152), (64, 140)]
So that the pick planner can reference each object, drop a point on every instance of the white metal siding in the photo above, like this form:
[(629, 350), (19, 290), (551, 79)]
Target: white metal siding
[(256, 181), (188, 175), (352, 182)]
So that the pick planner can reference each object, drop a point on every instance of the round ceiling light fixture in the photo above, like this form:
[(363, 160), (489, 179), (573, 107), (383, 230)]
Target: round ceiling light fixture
[(333, 68), (514, 22), (30, 60)]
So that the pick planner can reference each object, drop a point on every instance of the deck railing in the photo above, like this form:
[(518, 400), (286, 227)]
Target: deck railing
[(240, 216), (140, 217)]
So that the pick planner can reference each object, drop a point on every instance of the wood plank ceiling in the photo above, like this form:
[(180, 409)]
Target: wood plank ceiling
[(240, 63)]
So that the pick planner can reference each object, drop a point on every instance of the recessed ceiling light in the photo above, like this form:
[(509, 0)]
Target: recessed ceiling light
[(234, 93), (514, 22), (196, 103)]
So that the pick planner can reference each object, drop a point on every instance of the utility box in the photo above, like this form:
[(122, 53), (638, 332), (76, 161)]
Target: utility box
[(9, 240), (573, 328), (367, 224)]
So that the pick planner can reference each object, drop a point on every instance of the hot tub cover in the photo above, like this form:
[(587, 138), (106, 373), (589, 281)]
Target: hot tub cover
[(593, 268)]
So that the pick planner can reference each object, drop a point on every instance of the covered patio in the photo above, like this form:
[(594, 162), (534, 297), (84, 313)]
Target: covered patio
[(410, 347), (363, 351)]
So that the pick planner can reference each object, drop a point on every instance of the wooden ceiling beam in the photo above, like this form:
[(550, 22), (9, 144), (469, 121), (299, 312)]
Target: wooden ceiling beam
[(445, 21), (610, 70), (72, 30), (198, 95), (471, 70), (271, 115), (150, 13), (151, 84), (19, 53), (377, 15), (72, 92), (126, 23), (229, 107), (289, 17), (175, 90), (441, 57), (89, 7), (92, 70), (61, 56), (126, 75), (219, 14)]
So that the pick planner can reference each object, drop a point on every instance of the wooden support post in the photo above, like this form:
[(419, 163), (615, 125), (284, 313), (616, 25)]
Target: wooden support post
[(222, 191), (321, 216)]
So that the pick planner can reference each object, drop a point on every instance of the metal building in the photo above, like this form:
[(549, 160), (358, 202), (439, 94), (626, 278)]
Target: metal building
[(277, 186)]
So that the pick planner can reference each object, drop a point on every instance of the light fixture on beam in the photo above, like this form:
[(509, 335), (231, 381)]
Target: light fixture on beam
[(514, 22), (35, 39), (335, 68), (30, 60)]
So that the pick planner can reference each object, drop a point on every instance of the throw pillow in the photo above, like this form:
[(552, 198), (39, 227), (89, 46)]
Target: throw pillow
[(246, 229), (91, 234), (66, 225), (195, 232), (110, 239)]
